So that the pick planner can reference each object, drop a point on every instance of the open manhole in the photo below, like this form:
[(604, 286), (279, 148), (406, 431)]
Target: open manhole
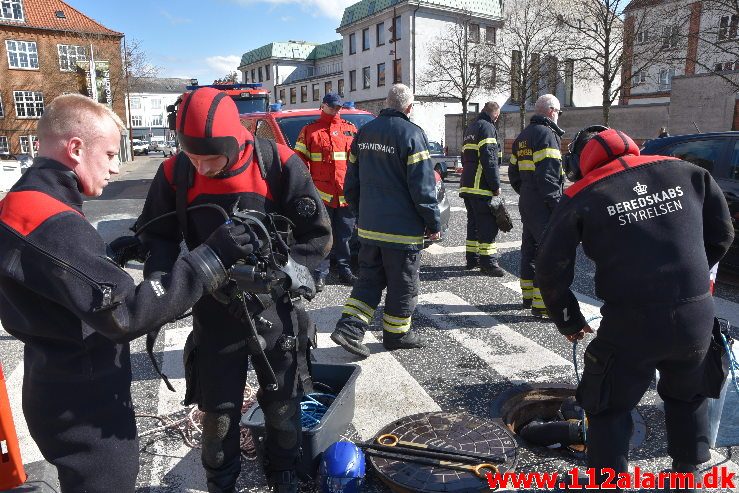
[(541, 402)]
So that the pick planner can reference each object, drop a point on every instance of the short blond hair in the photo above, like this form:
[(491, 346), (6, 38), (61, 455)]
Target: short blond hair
[(491, 108), (74, 115)]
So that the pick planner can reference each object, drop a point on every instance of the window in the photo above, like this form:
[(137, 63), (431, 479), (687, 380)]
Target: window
[(267, 70), (516, 76), (341, 87), (11, 10), (727, 66), (490, 77), (475, 74), (4, 149), (259, 73), (352, 80), (25, 147), (136, 121), (728, 27), (665, 78), (642, 37), (490, 35), (474, 107), (156, 121), (670, 36), (639, 78), (253, 75), (2, 110), (396, 28), (293, 95), (380, 33), (365, 39), (29, 104), (473, 33), (352, 43), (328, 87), (552, 73), (303, 94), (135, 103), (380, 74), (316, 92), (156, 104), (366, 77), (534, 76), (397, 71), (22, 54), (69, 55), (704, 152), (282, 95)]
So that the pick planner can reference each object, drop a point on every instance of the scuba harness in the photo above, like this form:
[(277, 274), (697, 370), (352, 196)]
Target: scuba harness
[(256, 283)]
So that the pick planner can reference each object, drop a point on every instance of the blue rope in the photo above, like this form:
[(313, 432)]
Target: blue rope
[(313, 410)]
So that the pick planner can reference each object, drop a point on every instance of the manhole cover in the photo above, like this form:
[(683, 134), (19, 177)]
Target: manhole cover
[(453, 431)]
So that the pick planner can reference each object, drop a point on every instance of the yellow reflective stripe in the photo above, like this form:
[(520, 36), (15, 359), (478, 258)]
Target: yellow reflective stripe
[(476, 191), (526, 165), (342, 200), (419, 156), (487, 249), (390, 238), (500, 154), (316, 156), (325, 196), (396, 325), (526, 283), (545, 153), (489, 140), (537, 301), (339, 156), (513, 159), (471, 246), (353, 312), (361, 306), (352, 158), (471, 242), (470, 147), (300, 147), (478, 175)]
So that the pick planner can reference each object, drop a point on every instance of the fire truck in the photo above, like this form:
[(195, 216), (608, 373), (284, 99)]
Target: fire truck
[(249, 98)]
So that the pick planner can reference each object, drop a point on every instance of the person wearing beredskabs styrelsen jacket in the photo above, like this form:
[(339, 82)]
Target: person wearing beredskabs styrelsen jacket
[(653, 225), (75, 309), (220, 157)]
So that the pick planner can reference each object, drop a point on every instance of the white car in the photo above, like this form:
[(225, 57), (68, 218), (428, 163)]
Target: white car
[(172, 148), (139, 147)]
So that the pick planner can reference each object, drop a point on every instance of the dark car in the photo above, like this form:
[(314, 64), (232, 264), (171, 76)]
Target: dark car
[(719, 154)]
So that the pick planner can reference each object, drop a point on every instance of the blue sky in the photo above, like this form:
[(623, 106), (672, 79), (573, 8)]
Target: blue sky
[(205, 39)]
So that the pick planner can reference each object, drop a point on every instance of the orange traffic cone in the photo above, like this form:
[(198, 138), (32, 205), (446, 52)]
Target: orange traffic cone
[(12, 473)]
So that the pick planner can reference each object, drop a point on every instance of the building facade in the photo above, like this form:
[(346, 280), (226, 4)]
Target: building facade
[(48, 49), (675, 38), (149, 98)]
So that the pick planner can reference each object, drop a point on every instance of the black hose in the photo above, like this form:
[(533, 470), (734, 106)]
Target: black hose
[(217, 207)]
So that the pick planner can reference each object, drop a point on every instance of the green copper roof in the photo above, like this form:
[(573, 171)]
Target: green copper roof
[(365, 8), (297, 50)]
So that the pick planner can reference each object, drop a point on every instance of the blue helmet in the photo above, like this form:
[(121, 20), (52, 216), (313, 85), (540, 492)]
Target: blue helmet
[(341, 469)]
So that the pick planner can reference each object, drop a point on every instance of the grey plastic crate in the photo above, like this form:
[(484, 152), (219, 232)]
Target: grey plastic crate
[(342, 380)]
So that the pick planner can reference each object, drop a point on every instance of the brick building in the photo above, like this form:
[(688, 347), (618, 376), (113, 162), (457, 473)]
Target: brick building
[(42, 43)]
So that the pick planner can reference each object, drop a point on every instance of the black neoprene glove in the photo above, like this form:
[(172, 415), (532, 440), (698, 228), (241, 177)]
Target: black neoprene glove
[(232, 242), (126, 248)]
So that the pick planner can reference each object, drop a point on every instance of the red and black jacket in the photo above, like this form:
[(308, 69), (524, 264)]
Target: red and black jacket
[(72, 306), (653, 225)]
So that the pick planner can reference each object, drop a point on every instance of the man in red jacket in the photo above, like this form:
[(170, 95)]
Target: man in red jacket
[(324, 145)]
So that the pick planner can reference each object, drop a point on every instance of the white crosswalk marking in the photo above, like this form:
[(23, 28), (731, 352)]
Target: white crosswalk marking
[(529, 361)]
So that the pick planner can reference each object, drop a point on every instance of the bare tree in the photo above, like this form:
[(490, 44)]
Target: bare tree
[(716, 44), (616, 54), (527, 55), (459, 65), (230, 78)]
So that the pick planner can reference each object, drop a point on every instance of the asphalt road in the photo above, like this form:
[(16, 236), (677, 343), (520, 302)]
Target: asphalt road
[(481, 345)]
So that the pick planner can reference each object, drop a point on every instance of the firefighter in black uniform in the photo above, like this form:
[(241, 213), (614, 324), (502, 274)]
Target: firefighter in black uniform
[(75, 309), (481, 155), (535, 173), (390, 185), (219, 155), (653, 225)]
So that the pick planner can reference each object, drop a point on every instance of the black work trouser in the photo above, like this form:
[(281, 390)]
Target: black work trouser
[(481, 232), (380, 268), (86, 430), (620, 364), (534, 218), (220, 363), (342, 227)]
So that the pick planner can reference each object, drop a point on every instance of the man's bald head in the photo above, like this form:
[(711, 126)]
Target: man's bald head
[(73, 115)]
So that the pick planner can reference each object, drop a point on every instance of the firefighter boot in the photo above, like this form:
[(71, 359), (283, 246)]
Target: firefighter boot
[(409, 340), (283, 482), (350, 341), (493, 270)]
